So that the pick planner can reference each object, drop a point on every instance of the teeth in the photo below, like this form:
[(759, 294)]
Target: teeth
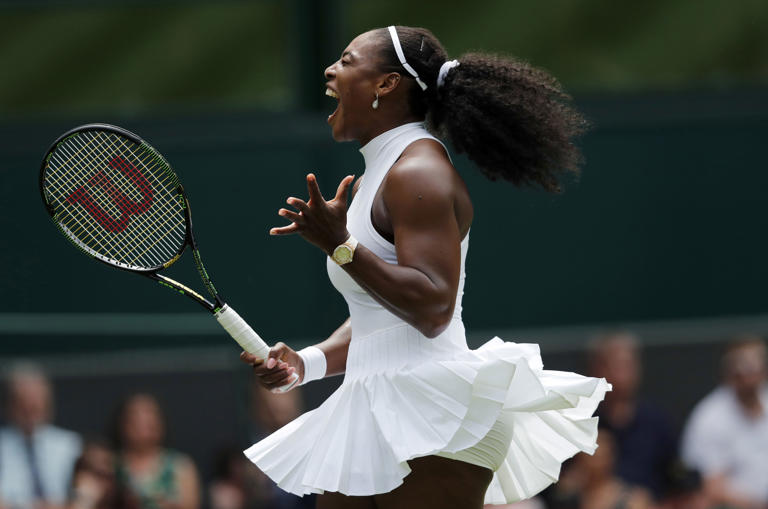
[(331, 93)]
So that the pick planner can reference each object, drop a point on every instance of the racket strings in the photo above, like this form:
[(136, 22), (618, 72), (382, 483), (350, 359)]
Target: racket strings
[(117, 198), (166, 208), (53, 184), (115, 162), (112, 195), (153, 234), (90, 223)]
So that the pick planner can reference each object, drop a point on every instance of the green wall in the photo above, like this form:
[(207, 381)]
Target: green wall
[(666, 222), (137, 56)]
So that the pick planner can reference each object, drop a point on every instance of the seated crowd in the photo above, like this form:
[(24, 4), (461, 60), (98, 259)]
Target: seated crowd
[(720, 461)]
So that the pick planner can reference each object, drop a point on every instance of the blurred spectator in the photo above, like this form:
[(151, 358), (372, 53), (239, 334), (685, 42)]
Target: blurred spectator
[(235, 482), (726, 437), (36, 458), (684, 489), (148, 475), (589, 482), (645, 440), (271, 412), (93, 479)]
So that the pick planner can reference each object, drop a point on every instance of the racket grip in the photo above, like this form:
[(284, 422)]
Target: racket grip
[(248, 339)]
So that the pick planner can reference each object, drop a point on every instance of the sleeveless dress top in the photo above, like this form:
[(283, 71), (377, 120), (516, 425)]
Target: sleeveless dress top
[(406, 396)]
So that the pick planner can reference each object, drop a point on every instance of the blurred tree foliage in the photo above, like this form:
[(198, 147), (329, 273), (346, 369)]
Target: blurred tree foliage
[(137, 56), (597, 45)]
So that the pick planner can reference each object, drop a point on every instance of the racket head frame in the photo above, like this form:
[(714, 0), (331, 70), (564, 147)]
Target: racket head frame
[(150, 272)]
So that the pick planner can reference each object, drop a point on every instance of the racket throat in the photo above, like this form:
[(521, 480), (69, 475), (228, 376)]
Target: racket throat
[(186, 291)]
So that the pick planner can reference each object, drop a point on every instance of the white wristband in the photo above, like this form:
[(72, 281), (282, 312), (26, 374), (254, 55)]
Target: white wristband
[(314, 363)]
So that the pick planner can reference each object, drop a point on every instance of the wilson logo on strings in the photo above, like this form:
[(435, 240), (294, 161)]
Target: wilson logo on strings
[(122, 202)]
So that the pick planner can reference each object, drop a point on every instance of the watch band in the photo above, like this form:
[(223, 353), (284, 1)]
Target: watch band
[(351, 242)]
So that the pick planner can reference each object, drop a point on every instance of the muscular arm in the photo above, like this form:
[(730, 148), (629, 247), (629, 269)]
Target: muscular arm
[(419, 195), (336, 347), (421, 288)]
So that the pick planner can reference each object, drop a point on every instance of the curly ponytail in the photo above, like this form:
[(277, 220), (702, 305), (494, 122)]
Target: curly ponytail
[(513, 120)]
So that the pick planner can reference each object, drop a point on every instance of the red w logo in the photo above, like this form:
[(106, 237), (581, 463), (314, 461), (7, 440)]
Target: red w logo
[(126, 205)]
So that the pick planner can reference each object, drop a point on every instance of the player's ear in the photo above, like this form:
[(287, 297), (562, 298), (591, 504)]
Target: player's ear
[(388, 83)]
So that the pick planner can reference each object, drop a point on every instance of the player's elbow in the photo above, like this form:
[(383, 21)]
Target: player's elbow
[(433, 324)]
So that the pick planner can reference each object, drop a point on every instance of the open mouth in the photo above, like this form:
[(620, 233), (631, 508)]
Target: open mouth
[(334, 95)]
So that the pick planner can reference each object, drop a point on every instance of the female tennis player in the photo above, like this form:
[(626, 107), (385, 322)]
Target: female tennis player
[(421, 420)]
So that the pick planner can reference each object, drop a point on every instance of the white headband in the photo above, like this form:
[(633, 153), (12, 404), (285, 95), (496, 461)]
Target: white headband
[(401, 56), (447, 66)]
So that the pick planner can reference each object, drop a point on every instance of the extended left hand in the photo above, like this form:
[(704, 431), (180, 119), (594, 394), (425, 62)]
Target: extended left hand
[(322, 223)]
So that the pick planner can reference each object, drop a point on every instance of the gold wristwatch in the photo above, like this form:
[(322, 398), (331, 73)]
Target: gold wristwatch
[(344, 253)]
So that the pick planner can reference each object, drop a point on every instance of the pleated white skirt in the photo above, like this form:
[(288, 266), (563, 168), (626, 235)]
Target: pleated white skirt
[(405, 396)]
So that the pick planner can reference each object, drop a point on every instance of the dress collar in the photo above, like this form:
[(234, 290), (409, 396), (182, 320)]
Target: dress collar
[(373, 148)]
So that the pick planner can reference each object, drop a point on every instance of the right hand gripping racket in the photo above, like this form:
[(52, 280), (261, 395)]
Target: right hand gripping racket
[(118, 200)]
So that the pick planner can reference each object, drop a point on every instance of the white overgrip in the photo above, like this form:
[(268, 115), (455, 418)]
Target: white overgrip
[(247, 338), (242, 332)]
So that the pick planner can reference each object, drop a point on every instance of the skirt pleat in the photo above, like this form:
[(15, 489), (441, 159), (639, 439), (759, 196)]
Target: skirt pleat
[(359, 440)]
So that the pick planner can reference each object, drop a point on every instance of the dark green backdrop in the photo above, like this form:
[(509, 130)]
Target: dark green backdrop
[(665, 231), (667, 221)]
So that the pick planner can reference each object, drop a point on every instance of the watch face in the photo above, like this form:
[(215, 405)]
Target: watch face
[(342, 255)]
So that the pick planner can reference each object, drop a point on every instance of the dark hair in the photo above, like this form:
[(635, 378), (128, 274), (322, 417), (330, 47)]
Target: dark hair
[(513, 120)]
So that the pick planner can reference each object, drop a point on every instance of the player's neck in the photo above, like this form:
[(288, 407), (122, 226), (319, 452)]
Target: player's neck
[(387, 123)]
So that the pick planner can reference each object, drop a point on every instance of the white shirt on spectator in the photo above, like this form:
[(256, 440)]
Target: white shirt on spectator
[(721, 439), (56, 451)]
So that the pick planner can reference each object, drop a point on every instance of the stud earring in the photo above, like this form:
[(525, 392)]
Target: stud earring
[(375, 103)]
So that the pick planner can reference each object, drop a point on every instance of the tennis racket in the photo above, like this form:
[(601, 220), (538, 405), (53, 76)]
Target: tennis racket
[(119, 201)]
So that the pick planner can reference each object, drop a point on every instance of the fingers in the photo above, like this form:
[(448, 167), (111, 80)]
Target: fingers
[(276, 354), (285, 385), (275, 387), (314, 190), (290, 215), (273, 373), (284, 230), (262, 371), (278, 378), (343, 191), (298, 204), (263, 364), (251, 359)]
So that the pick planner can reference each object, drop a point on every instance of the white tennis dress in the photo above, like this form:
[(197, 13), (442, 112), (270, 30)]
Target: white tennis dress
[(405, 396)]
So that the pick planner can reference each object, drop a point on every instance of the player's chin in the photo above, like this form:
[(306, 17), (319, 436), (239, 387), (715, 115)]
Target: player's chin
[(343, 136), (337, 131), (339, 128)]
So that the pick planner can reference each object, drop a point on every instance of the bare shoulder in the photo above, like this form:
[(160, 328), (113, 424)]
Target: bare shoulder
[(424, 181), (427, 157), (423, 170)]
